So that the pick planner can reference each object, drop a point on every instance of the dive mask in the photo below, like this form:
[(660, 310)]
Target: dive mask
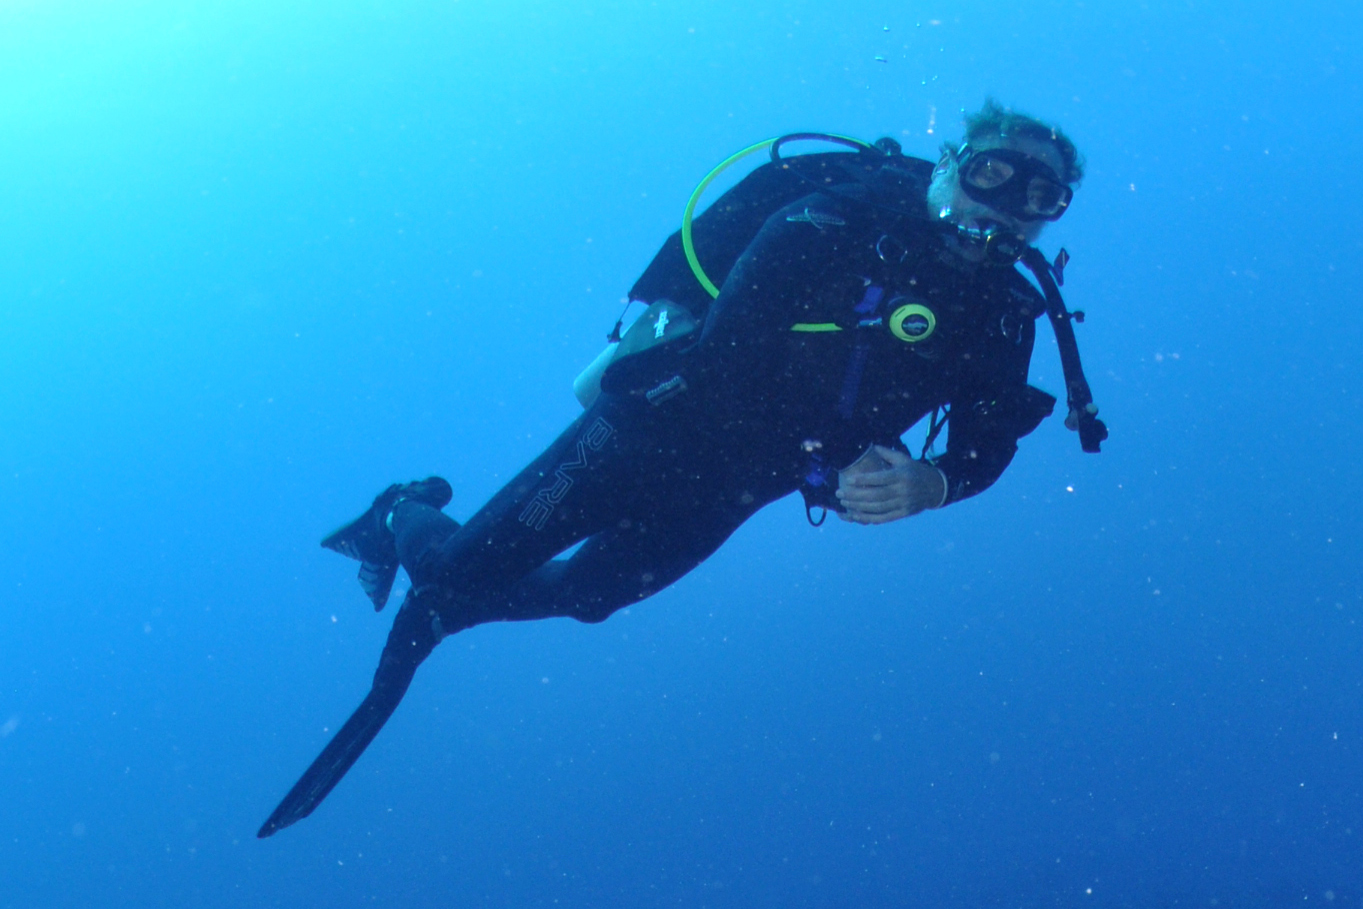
[(1012, 182)]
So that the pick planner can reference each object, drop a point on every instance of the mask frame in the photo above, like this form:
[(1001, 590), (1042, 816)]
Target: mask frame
[(1012, 182)]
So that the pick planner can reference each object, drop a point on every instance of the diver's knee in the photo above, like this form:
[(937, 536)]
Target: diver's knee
[(596, 612), (594, 616), (599, 609)]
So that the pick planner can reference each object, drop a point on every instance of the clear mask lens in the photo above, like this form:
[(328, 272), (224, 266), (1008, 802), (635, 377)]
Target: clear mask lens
[(1045, 197), (988, 172)]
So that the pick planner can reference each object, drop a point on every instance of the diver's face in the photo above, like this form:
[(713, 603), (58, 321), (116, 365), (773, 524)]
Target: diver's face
[(949, 202)]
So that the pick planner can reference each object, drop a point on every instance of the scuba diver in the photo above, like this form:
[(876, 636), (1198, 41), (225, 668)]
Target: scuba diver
[(811, 316)]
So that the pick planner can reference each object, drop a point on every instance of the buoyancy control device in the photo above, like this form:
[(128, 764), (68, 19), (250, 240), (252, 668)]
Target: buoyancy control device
[(679, 289)]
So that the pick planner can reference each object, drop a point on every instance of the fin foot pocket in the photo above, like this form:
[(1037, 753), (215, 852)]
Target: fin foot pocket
[(368, 539)]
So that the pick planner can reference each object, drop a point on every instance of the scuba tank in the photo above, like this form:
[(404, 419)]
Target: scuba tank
[(662, 323), (675, 284)]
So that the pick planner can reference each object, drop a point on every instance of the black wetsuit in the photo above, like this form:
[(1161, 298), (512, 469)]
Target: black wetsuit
[(795, 367), (795, 372)]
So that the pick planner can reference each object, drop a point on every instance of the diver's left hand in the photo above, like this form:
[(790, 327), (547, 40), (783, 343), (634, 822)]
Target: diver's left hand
[(885, 484)]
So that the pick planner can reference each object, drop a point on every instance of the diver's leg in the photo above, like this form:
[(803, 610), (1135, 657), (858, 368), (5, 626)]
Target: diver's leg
[(514, 536), (415, 633), (633, 482), (614, 568), (581, 483), (418, 532), (404, 527), (567, 494), (628, 562)]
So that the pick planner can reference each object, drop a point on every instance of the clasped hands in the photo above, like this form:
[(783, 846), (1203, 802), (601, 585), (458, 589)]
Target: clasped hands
[(886, 484)]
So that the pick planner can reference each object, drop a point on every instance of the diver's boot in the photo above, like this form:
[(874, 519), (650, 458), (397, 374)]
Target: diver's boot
[(369, 538)]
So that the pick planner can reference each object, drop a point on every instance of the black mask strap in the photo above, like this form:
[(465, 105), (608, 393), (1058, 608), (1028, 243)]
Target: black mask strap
[(1083, 414)]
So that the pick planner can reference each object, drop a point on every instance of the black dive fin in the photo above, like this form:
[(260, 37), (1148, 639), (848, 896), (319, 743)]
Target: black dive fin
[(337, 758), (409, 643), (369, 540)]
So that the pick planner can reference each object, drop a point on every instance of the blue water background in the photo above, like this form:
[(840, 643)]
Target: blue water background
[(259, 260)]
